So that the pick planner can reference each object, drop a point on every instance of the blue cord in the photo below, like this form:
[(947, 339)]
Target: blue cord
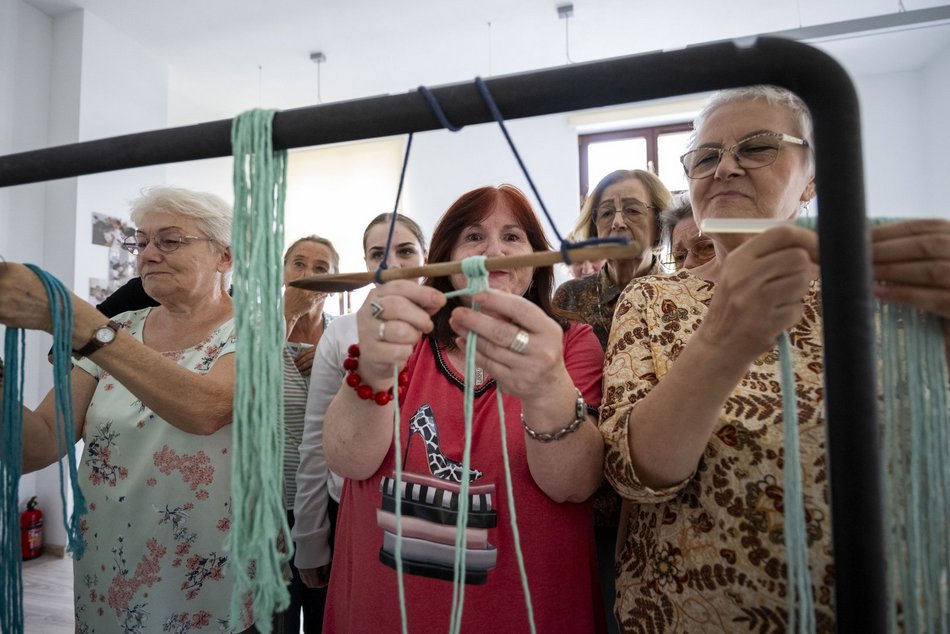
[(377, 277)]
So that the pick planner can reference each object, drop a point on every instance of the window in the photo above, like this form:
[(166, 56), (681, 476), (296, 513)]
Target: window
[(656, 149), (334, 192)]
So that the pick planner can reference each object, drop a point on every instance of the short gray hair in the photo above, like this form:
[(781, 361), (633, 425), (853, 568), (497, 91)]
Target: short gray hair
[(679, 209), (210, 212), (773, 95)]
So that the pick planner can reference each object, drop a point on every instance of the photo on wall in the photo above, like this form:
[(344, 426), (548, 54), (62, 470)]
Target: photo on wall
[(107, 230), (98, 290)]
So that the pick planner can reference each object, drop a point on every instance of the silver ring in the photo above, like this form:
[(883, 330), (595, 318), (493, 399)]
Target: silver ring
[(519, 343), (382, 331), (376, 309)]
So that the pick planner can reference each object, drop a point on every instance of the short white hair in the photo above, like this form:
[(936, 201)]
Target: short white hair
[(210, 212)]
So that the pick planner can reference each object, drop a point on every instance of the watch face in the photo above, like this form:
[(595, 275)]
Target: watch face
[(105, 335)]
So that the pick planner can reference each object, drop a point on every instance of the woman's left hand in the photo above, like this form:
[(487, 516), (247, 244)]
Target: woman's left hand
[(537, 367), (911, 261)]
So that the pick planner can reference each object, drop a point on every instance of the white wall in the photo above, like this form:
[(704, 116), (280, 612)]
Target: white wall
[(893, 134), (72, 78), (26, 37), (935, 97)]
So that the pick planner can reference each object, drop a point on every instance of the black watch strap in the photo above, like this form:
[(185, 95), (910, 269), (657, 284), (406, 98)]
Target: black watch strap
[(98, 340)]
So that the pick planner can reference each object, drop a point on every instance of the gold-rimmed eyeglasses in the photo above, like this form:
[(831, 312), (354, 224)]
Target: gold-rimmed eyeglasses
[(165, 241), (604, 214), (752, 152), (704, 251)]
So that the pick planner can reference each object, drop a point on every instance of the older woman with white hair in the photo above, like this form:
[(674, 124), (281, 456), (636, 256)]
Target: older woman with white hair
[(152, 397), (692, 415)]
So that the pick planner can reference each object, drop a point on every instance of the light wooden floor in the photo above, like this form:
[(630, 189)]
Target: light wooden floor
[(48, 595)]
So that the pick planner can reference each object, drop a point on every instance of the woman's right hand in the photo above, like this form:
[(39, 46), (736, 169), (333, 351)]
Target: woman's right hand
[(299, 301), (759, 291), (407, 315)]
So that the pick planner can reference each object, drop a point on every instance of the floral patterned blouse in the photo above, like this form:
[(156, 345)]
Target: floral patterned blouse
[(159, 505), (708, 555)]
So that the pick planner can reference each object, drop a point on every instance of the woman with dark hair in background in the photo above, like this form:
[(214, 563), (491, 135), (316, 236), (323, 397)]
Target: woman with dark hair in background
[(548, 372)]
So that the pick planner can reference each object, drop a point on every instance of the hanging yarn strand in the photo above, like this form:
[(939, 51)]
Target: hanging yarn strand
[(11, 581), (11, 449), (259, 540), (916, 436), (801, 608)]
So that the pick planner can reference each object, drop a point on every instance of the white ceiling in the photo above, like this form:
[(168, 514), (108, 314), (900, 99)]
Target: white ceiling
[(226, 56)]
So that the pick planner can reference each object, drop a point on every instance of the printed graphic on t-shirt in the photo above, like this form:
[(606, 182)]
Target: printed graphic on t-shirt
[(431, 507)]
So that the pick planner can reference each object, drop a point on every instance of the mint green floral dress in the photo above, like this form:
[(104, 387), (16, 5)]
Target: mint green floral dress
[(159, 505)]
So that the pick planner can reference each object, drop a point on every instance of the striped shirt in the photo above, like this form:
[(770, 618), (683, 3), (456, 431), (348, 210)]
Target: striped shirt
[(296, 387)]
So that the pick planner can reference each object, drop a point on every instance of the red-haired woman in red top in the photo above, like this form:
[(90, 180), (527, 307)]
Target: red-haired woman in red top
[(549, 373)]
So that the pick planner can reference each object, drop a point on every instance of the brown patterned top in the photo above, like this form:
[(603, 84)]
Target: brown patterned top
[(592, 299), (708, 554)]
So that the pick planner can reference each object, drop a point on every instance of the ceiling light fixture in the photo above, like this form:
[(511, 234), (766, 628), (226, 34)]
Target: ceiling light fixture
[(317, 57), (566, 12)]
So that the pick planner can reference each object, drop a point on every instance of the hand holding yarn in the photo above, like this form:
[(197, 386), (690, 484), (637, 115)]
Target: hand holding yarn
[(388, 339), (911, 263), (759, 292), (518, 345), (23, 300)]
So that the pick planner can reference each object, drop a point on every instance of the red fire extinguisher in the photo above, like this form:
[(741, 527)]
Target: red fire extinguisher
[(31, 531)]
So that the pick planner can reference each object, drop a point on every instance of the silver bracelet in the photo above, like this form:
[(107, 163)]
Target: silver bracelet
[(580, 415)]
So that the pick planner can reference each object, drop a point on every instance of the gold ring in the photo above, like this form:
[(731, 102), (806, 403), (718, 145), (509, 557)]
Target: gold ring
[(382, 331)]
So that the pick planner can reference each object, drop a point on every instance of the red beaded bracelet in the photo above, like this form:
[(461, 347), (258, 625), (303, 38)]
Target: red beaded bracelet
[(365, 392)]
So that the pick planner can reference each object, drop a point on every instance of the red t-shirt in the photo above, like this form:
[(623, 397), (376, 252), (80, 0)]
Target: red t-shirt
[(556, 538)]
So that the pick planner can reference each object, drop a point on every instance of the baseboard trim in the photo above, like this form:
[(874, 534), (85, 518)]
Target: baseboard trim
[(56, 550)]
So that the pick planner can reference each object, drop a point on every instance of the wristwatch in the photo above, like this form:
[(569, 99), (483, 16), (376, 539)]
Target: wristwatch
[(103, 335)]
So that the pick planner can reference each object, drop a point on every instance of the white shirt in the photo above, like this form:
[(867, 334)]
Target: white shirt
[(315, 482)]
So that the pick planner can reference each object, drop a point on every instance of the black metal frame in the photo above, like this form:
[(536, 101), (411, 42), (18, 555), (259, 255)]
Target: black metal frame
[(853, 435)]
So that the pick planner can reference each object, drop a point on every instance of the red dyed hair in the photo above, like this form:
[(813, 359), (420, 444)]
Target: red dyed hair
[(471, 208)]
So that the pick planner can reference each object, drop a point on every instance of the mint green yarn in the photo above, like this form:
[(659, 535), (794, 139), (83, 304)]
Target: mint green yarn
[(11, 446), (477, 276), (801, 608), (258, 522), (915, 423), (917, 482)]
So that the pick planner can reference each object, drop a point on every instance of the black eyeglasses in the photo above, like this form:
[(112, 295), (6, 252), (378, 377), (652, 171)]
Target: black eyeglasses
[(704, 251), (165, 241), (631, 211), (753, 152)]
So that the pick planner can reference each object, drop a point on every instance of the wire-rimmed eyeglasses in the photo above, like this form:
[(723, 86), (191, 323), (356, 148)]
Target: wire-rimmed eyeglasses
[(703, 250), (165, 241), (752, 152), (631, 211)]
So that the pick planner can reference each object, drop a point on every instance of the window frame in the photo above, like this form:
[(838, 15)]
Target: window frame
[(649, 133)]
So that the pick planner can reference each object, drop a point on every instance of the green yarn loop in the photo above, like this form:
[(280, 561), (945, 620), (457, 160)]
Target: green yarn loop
[(258, 523)]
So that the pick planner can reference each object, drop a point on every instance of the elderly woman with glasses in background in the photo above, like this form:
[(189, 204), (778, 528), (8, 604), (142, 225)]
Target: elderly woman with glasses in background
[(152, 399), (692, 417), (625, 203), (687, 247)]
